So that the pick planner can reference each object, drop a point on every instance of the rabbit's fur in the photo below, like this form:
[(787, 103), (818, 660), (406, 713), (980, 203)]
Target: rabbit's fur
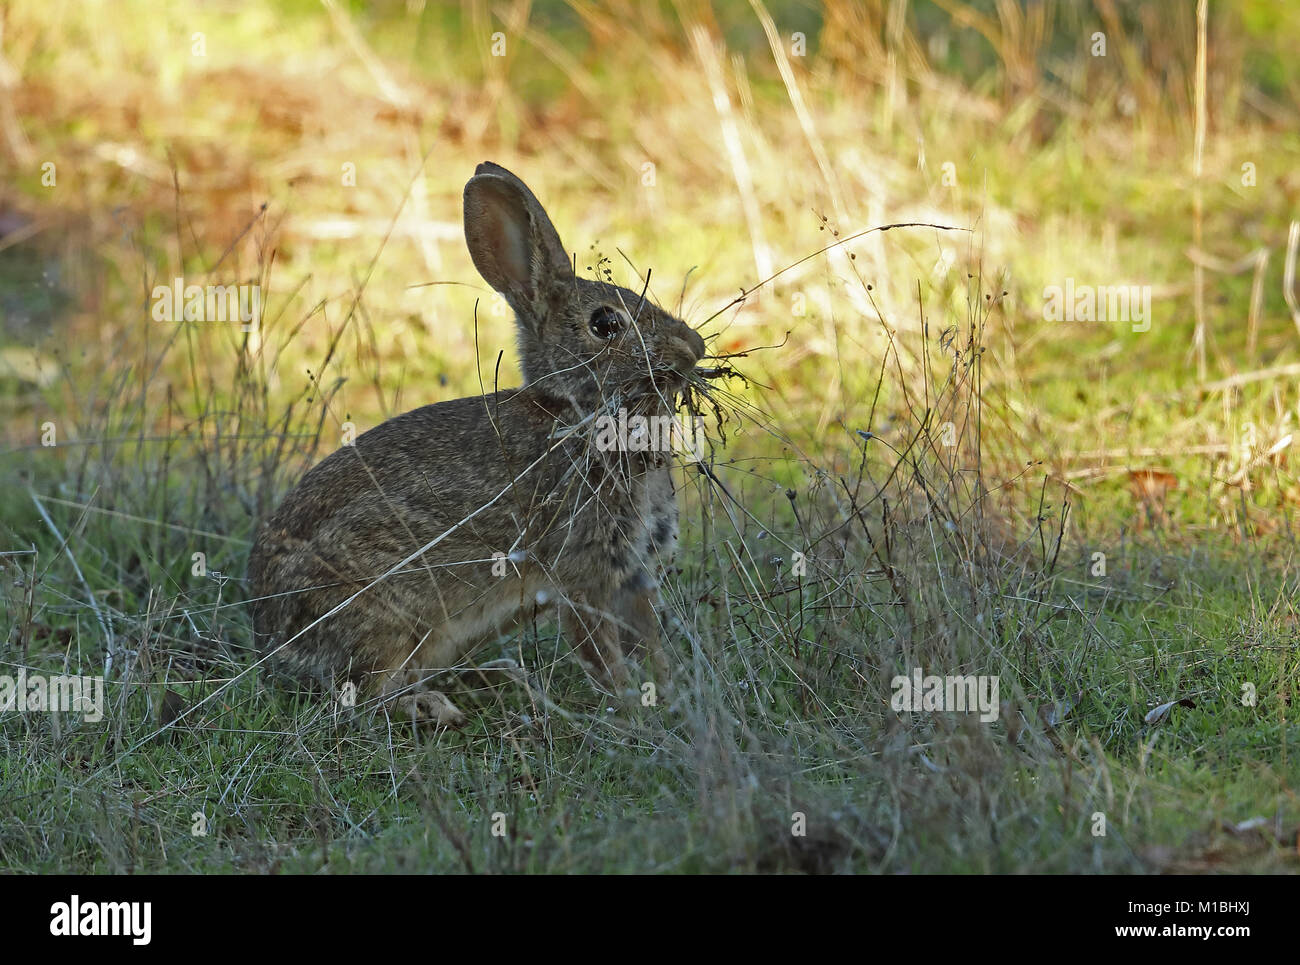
[(379, 566)]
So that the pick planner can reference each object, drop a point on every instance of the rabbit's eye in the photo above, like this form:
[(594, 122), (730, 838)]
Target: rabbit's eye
[(605, 322)]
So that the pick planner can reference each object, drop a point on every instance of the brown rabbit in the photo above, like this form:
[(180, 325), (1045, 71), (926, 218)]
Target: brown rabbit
[(385, 562)]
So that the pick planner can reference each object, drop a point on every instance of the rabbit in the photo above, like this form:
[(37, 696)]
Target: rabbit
[(385, 563)]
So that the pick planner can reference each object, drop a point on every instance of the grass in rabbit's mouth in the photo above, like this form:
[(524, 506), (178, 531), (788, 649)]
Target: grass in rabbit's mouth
[(906, 469)]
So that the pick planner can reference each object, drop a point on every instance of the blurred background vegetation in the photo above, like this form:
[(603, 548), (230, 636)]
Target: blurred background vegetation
[(319, 149)]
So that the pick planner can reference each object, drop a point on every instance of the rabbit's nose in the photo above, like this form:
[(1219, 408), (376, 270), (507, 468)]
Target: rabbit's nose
[(696, 343), (687, 348), (688, 342)]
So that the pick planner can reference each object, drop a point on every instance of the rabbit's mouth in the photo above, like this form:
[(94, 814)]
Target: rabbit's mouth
[(652, 392), (668, 378)]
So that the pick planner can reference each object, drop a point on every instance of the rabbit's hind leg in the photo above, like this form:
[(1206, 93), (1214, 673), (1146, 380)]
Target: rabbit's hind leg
[(409, 695), (429, 707)]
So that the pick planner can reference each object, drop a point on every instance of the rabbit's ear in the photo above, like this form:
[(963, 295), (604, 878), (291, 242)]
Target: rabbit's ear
[(513, 243)]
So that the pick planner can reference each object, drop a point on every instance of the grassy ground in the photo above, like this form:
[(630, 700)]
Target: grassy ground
[(1103, 525)]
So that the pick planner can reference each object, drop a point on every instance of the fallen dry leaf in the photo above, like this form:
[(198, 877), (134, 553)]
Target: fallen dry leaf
[(1157, 714)]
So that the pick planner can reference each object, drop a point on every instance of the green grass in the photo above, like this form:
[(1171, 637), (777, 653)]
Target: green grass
[(706, 785), (980, 559)]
